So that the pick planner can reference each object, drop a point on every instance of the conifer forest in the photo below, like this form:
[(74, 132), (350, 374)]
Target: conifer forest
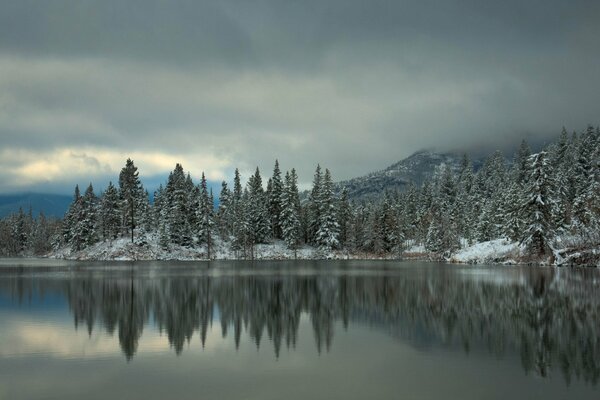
[(546, 202)]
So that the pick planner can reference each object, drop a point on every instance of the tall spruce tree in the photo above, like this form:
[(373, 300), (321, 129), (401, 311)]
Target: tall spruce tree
[(537, 207), (110, 215), (225, 211), (257, 214), (290, 212), (180, 231), (205, 217), (275, 205), (71, 218), (327, 235), (131, 193), (314, 207)]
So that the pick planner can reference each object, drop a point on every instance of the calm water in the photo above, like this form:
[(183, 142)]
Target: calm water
[(297, 330)]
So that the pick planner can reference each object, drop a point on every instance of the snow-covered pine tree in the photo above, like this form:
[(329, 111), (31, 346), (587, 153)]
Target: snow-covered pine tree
[(21, 231), (434, 240), (314, 207), (463, 192), (290, 212), (110, 214), (87, 224), (409, 211), (513, 220), (375, 234), (559, 160), (388, 224), (344, 217), (327, 235), (584, 173), (192, 201), (70, 219), (275, 201), (522, 163), (238, 229), (225, 211), (257, 214), (180, 231), (131, 193), (205, 217), (41, 235), (423, 212), (537, 207)]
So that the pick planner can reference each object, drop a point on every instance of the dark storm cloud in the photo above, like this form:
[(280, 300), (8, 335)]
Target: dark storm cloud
[(352, 84)]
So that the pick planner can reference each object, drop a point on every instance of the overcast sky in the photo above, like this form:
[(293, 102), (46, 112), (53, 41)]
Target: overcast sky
[(353, 85)]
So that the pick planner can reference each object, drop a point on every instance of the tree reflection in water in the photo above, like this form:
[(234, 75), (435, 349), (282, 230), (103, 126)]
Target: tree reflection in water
[(550, 317)]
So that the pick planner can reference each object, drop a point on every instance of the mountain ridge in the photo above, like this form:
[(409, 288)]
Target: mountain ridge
[(414, 169)]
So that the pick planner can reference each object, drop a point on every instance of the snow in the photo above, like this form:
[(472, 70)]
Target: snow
[(147, 247), (494, 251)]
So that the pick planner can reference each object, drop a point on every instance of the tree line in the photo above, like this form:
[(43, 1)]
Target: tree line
[(543, 201)]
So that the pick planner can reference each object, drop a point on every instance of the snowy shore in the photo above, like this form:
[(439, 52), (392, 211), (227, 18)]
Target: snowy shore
[(499, 251)]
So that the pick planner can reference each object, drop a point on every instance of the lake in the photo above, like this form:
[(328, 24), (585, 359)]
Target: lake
[(297, 330)]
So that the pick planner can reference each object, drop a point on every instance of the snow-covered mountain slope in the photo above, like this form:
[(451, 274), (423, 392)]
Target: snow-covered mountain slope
[(413, 169)]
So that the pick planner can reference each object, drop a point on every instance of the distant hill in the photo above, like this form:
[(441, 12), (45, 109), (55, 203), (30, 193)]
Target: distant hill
[(54, 205), (413, 169)]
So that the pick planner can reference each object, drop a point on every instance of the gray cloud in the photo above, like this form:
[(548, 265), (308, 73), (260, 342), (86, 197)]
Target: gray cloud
[(351, 84)]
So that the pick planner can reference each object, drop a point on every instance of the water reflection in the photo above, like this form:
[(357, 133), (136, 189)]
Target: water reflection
[(549, 317)]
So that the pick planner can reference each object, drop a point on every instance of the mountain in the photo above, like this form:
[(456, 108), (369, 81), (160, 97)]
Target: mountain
[(413, 169), (54, 205)]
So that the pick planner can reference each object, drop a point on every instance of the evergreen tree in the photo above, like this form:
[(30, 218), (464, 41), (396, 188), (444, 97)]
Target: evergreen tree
[(434, 239), (131, 193), (110, 215), (71, 218), (256, 213), (275, 205), (584, 173), (87, 220), (224, 214), (327, 235), (344, 217), (537, 207), (314, 207), (238, 214), (290, 211), (522, 163), (205, 217), (180, 231)]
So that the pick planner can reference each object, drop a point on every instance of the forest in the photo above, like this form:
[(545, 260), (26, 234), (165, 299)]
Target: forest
[(544, 201)]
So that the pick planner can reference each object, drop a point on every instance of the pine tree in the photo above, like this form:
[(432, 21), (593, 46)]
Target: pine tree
[(344, 217), (225, 211), (178, 208), (537, 207), (110, 215), (70, 219), (522, 163), (290, 211), (131, 193), (20, 231), (314, 207), (274, 196), (327, 235), (388, 225), (205, 217), (559, 160), (238, 227), (256, 213), (87, 220), (434, 239), (584, 176)]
